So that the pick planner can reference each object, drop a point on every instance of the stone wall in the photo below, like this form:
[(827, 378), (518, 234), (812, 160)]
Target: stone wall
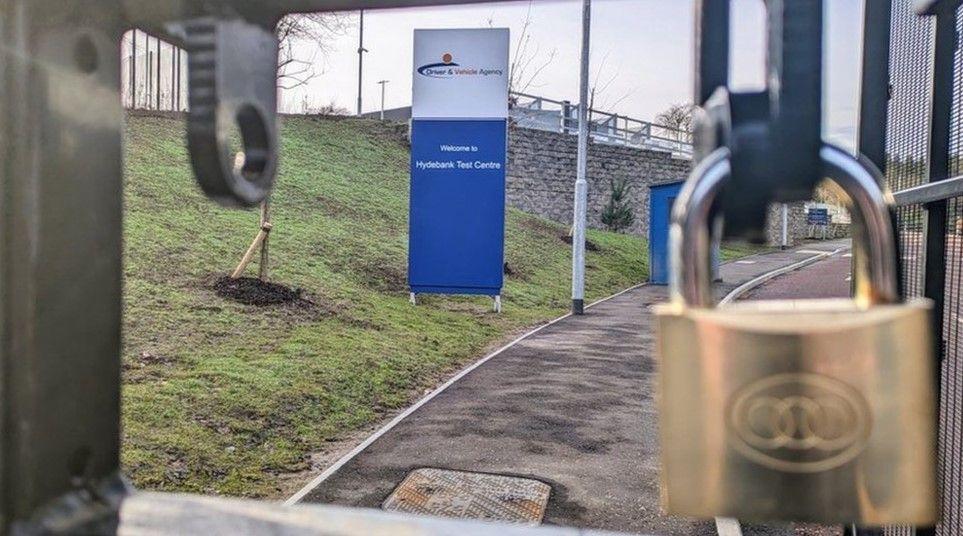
[(796, 225), (541, 176), (541, 180)]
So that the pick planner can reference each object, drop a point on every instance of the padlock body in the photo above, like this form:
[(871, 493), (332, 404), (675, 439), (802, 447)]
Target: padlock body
[(799, 411)]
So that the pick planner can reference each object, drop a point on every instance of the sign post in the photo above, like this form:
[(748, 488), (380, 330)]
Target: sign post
[(458, 163)]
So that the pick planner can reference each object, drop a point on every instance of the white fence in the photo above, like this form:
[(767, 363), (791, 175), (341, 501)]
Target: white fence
[(530, 111), (153, 73)]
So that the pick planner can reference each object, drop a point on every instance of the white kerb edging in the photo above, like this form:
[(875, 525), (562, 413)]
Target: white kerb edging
[(294, 499)]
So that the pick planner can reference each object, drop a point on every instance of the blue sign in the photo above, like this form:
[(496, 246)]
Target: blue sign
[(457, 214), (818, 216)]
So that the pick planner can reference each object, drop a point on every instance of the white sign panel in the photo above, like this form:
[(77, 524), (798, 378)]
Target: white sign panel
[(461, 74)]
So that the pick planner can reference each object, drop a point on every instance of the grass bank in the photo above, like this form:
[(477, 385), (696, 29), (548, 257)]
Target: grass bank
[(221, 397)]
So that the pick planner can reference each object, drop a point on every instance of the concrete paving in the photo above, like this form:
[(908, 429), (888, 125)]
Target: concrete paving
[(571, 406)]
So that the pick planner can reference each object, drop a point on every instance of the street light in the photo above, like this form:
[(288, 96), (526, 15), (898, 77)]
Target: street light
[(383, 83), (361, 51), (581, 185)]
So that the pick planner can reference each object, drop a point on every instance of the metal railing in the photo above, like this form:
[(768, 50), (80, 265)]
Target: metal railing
[(153, 73), (540, 113)]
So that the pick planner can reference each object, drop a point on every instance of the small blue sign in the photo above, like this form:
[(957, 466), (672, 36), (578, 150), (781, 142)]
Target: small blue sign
[(457, 214), (818, 216)]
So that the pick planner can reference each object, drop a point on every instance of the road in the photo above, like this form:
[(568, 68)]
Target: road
[(829, 278)]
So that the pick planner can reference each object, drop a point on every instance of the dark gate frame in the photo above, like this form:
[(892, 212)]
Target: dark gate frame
[(61, 139), (926, 277), (61, 132)]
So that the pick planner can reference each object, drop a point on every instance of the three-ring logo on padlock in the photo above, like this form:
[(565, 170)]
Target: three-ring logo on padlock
[(799, 422)]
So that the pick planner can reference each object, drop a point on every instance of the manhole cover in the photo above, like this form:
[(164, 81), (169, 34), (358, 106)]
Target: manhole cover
[(470, 495)]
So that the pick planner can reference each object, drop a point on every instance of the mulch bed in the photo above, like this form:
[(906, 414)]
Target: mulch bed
[(253, 291)]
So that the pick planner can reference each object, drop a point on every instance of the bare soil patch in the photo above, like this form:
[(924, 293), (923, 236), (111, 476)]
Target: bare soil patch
[(253, 291), (589, 245)]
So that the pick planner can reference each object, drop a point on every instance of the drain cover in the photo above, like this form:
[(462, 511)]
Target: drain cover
[(470, 495)]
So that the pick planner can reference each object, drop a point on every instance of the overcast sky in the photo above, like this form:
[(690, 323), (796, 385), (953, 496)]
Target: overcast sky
[(644, 47)]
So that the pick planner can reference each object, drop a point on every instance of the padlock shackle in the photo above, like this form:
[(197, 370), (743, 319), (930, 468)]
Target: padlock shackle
[(874, 239), (690, 243), (691, 240)]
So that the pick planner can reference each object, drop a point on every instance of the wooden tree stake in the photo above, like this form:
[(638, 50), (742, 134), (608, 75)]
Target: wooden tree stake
[(261, 240), (249, 255), (265, 222)]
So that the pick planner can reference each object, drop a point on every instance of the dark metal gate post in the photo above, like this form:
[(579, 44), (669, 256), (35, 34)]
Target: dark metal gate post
[(939, 163), (874, 96), (60, 262), (874, 90), (934, 268)]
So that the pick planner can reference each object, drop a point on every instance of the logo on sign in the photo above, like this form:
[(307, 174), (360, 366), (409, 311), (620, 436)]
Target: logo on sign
[(799, 423), (449, 69), (445, 69)]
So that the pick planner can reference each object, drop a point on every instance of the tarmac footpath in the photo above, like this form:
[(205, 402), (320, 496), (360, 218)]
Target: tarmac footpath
[(570, 405)]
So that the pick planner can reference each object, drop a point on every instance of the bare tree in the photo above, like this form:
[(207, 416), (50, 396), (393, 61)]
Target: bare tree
[(528, 61), (317, 29), (830, 193), (678, 117), (601, 84)]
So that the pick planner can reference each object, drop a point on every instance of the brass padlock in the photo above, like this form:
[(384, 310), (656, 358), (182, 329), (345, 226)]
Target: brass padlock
[(818, 410)]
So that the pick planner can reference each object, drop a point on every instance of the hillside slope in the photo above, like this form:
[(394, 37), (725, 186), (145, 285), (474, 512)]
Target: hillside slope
[(221, 397)]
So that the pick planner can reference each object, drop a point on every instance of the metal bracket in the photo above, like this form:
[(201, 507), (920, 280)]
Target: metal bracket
[(935, 7), (774, 136), (91, 509), (232, 71)]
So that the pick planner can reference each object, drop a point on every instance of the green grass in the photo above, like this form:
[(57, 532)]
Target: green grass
[(735, 250), (225, 398)]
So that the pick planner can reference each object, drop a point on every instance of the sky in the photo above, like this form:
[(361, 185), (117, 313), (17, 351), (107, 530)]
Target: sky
[(642, 50)]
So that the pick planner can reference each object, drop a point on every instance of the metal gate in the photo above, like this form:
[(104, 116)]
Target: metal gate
[(911, 126)]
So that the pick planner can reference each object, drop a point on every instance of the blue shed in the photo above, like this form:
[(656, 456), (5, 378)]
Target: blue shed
[(661, 198)]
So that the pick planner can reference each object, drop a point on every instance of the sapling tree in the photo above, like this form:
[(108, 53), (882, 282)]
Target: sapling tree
[(617, 215)]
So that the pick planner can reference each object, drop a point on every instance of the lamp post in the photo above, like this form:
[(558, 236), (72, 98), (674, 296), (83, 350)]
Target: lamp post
[(581, 185), (361, 51)]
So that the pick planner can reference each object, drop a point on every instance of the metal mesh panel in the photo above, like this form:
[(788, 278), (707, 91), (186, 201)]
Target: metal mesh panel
[(911, 221), (911, 51), (951, 402), (907, 134), (907, 139), (956, 113), (951, 399)]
